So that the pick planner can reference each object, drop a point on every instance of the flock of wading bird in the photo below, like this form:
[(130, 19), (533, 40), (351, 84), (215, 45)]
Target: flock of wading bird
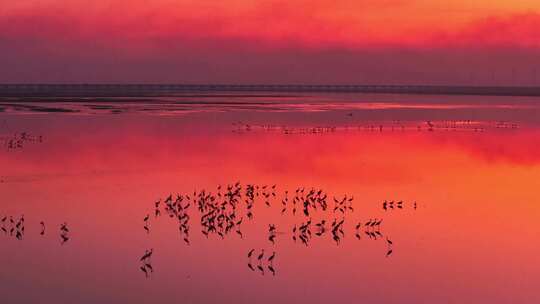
[(12, 227), (395, 125), (18, 141), (223, 212)]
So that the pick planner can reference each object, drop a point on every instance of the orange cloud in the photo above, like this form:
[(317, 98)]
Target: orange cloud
[(516, 30)]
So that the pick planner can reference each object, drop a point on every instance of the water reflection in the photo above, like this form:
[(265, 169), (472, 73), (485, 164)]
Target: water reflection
[(415, 210)]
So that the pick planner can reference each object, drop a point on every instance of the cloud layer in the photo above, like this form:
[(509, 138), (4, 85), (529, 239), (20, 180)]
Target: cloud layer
[(270, 41)]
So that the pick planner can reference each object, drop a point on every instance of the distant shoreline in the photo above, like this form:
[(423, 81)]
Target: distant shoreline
[(222, 90)]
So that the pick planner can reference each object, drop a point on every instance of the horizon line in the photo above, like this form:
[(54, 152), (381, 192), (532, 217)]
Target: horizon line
[(162, 90)]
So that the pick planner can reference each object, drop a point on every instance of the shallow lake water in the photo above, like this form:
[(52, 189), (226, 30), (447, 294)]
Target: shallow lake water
[(358, 198)]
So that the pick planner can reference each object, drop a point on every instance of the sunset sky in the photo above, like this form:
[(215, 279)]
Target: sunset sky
[(475, 42)]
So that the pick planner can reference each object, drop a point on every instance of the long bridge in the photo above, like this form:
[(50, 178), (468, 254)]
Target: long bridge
[(163, 90)]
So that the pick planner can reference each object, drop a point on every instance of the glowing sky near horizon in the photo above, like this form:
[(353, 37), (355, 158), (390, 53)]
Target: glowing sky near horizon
[(406, 37)]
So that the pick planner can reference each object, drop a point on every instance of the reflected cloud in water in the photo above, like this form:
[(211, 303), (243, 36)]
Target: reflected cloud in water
[(313, 198)]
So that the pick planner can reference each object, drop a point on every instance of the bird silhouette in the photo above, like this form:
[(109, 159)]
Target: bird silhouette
[(220, 214), (271, 258), (261, 255), (147, 254), (64, 228)]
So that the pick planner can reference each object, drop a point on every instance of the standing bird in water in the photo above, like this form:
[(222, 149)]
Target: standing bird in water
[(146, 218), (64, 233), (147, 255), (271, 258), (261, 256), (42, 228), (389, 250), (430, 125), (250, 253), (63, 228)]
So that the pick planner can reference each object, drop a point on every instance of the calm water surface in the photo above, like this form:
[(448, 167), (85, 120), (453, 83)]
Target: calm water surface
[(460, 178)]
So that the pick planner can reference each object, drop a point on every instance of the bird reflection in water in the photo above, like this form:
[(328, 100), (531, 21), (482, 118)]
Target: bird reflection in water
[(389, 244), (13, 228), (64, 233), (261, 261), (146, 262), (16, 228), (223, 211)]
